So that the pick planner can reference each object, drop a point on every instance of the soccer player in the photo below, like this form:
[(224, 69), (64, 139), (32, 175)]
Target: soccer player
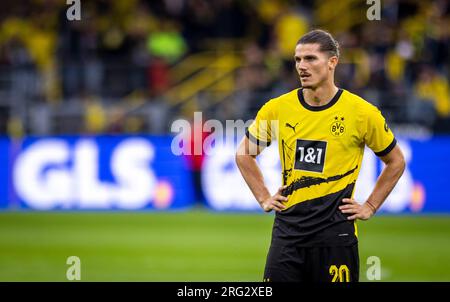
[(321, 131)]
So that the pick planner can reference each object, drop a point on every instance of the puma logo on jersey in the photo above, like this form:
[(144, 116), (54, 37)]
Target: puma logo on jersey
[(292, 127)]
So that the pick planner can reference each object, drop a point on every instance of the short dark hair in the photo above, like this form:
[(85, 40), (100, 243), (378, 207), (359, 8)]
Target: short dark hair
[(324, 39)]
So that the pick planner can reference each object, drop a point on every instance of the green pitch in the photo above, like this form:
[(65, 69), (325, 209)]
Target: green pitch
[(197, 246)]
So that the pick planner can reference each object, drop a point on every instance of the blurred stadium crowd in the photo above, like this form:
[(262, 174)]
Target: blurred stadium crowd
[(135, 66)]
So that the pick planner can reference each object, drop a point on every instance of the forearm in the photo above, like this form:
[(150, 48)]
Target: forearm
[(385, 184), (253, 176)]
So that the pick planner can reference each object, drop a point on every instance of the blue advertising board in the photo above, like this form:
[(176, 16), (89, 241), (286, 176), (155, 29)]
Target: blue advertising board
[(98, 172), (141, 172)]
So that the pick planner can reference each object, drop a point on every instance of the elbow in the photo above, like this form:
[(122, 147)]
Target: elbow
[(237, 158), (400, 165)]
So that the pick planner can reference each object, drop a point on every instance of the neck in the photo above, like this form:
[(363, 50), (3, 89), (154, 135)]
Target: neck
[(320, 96)]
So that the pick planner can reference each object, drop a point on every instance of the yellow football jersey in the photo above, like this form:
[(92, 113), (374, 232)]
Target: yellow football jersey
[(321, 149)]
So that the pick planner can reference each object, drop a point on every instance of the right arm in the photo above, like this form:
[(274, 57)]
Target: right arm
[(246, 161)]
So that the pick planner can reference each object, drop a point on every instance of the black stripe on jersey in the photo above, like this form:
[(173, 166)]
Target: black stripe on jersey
[(308, 181), (317, 221), (388, 149), (255, 140), (318, 108)]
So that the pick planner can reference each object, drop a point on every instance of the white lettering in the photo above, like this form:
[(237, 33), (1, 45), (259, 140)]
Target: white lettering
[(51, 174), (74, 11)]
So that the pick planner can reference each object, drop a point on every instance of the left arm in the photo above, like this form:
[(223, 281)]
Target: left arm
[(395, 165)]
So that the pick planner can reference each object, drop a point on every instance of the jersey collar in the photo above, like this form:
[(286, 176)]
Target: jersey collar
[(318, 108)]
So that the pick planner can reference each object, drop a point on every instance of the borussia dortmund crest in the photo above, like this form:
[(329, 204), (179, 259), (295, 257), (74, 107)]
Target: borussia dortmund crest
[(338, 127)]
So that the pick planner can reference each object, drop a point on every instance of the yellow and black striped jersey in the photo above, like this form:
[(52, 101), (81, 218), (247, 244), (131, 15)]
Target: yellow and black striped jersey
[(321, 149)]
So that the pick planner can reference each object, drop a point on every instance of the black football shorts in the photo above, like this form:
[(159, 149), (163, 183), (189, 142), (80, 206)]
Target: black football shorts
[(290, 263)]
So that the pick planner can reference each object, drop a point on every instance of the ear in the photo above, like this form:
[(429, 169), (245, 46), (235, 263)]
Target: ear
[(332, 62)]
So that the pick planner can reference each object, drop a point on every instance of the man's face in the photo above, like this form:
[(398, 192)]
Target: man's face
[(313, 66)]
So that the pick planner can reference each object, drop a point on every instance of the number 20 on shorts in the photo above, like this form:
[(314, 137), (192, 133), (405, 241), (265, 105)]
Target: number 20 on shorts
[(340, 274)]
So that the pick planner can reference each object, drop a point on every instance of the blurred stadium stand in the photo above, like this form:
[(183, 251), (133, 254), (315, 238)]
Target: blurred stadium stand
[(135, 66)]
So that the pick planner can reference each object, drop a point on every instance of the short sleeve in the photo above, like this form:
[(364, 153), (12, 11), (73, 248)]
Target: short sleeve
[(378, 135), (263, 129)]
